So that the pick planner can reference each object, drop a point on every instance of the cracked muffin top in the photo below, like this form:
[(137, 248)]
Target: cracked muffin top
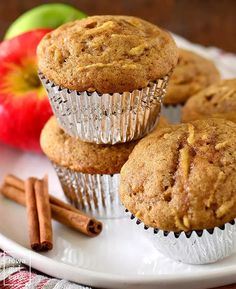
[(218, 101), (79, 156), (183, 177), (106, 54), (192, 73)]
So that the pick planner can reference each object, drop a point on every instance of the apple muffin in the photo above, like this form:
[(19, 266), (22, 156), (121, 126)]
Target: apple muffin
[(182, 181), (89, 173), (113, 69), (217, 100), (192, 74)]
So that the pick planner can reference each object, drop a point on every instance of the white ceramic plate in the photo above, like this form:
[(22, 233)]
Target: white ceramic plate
[(120, 257)]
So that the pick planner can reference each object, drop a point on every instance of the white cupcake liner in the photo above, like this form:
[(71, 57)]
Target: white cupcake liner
[(107, 118), (96, 195), (172, 112), (194, 247)]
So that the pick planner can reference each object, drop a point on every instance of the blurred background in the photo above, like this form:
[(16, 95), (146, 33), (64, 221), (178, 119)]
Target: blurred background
[(208, 22)]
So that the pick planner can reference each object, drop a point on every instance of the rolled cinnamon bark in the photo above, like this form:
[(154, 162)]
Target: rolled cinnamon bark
[(59, 203), (44, 213), (61, 211), (15, 182), (32, 215), (80, 222), (13, 194)]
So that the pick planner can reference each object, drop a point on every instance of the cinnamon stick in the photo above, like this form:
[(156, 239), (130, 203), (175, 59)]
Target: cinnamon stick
[(44, 213), (59, 203), (32, 215), (80, 222), (12, 189), (15, 182), (13, 194)]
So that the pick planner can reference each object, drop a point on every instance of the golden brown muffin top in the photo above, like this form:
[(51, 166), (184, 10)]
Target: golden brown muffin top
[(192, 73), (184, 177), (218, 101), (107, 54), (74, 154)]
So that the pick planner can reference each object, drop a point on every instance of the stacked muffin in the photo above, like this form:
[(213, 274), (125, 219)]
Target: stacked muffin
[(105, 77)]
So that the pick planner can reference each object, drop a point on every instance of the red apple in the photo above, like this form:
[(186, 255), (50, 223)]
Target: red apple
[(24, 107)]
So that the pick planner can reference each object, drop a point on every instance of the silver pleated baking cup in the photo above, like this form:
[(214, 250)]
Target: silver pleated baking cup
[(107, 118), (95, 194), (172, 112), (194, 247)]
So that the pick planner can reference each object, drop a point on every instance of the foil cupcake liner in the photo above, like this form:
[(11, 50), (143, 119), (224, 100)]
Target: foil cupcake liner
[(194, 247), (96, 195), (172, 112), (107, 118)]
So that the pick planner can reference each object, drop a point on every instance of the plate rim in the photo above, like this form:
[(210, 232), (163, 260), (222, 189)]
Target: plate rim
[(96, 278)]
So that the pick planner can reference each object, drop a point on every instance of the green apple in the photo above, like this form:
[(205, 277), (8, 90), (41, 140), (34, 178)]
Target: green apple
[(44, 16)]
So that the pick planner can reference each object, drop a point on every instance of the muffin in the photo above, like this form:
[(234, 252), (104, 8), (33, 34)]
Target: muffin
[(218, 101), (106, 76), (89, 173), (182, 183), (192, 73)]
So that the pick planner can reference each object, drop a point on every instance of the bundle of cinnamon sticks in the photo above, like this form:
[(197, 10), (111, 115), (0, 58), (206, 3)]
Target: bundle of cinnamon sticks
[(41, 207)]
